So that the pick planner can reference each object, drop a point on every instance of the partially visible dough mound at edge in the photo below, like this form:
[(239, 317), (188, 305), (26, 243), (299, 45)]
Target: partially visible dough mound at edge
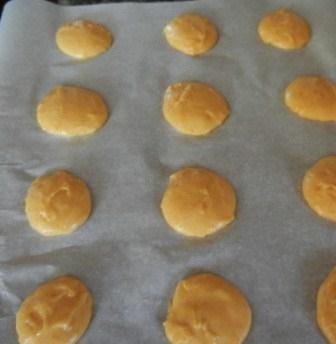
[(206, 309), (57, 312), (319, 187), (326, 307), (312, 98)]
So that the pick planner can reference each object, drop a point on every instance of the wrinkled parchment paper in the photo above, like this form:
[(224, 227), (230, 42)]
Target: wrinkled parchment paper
[(277, 251)]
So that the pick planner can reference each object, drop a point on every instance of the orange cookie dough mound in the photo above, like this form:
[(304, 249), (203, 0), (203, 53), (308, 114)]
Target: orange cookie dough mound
[(57, 203), (285, 30), (198, 202), (57, 312), (206, 309), (83, 39), (312, 98), (191, 34), (319, 187), (194, 108), (71, 111), (326, 307)]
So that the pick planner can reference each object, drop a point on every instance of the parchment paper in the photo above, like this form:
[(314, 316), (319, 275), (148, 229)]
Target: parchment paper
[(277, 251)]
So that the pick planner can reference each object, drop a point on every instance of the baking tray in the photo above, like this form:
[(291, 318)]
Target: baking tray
[(277, 252)]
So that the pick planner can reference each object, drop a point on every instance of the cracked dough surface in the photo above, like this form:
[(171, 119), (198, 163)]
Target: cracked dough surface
[(191, 34), (198, 202), (57, 312), (194, 108), (57, 203), (206, 309), (319, 187), (312, 98), (284, 29), (326, 307), (71, 111), (83, 39)]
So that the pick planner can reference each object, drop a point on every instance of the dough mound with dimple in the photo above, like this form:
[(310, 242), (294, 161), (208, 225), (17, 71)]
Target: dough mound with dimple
[(191, 34), (83, 39), (57, 312), (319, 187), (206, 309), (57, 203), (326, 307), (194, 108), (198, 202), (284, 29), (71, 111), (312, 98)]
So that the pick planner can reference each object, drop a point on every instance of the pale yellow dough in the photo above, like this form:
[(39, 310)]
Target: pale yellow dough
[(206, 309), (198, 202), (71, 111), (83, 39), (319, 188), (194, 108), (57, 312), (312, 98), (191, 34), (284, 29), (326, 307), (57, 203)]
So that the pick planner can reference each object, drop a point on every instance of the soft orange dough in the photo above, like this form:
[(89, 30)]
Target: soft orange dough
[(326, 307), (57, 203), (198, 202), (191, 34), (319, 188), (57, 312), (206, 309), (194, 108), (83, 39), (284, 29), (312, 98), (71, 111)]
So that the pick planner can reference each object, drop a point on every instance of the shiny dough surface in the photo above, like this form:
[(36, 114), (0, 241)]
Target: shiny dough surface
[(83, 39), (284, 29), (57, 312), (319, 187), (57, 203), (198, 202), (312, 98), (194, 108), (191, 34), (206, 309), (71, 111)]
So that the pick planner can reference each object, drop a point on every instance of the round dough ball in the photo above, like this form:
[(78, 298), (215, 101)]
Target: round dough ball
[(194, 108), (285, 30), (312, 98), (206, 309), (198, 202), (83, 39), (71, 111), (57, 312), (57, 203), (326, 307), (319, 187), (191, 34)]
